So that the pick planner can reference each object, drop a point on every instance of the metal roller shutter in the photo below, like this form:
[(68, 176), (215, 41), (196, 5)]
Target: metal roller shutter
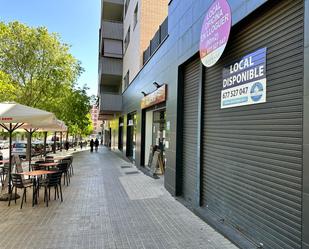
[(252, 155), (190, 125)]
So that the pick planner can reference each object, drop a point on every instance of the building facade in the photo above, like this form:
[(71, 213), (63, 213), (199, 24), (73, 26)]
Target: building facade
[(97, 124), (244, 169)]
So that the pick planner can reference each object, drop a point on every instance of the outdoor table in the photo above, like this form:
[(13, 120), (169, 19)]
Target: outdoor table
[(61, 157), (36, 182), (47, 165)]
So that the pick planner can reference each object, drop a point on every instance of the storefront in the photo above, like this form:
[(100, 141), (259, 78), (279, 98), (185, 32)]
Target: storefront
[(131, 136), (154, 126), (120, 134)]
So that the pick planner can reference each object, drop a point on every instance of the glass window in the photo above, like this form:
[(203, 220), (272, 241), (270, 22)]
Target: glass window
[(135, 16)]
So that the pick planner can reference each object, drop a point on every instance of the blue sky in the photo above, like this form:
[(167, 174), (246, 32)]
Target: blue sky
[(77, 22)]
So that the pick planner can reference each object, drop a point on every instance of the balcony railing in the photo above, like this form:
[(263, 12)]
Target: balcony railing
[(112, 30), (110, 102), (111, 66), (156, 41)]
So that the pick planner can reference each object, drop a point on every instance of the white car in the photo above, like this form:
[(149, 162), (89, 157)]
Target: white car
[(20, 149), (4, 144)]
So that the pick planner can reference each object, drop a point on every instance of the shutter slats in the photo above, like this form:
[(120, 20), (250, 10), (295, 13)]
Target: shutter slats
[(189, 132)]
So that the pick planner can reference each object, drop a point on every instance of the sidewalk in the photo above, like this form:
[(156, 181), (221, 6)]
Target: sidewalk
[(109, 204)]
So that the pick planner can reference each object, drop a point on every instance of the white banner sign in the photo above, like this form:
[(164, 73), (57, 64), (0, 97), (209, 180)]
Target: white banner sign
[(244, 81)]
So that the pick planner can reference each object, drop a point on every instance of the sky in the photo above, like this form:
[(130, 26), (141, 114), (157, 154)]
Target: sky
[(77, 22)]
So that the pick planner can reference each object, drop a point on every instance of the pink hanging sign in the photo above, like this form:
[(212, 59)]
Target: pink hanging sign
[(215, 32)]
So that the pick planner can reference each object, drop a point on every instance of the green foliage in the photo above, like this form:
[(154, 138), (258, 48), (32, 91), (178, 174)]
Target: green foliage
[(36, 69)]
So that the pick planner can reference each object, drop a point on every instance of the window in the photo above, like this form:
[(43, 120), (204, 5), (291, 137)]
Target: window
[(127, 40), (135, 16), (126, 6), (126, 80), (112, 48)]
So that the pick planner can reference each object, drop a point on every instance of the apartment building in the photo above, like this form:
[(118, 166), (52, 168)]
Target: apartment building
[(110, 58)]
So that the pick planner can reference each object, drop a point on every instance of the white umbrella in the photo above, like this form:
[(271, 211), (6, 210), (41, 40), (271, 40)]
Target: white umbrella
[(16, 113), (14, 116), (55, 125)]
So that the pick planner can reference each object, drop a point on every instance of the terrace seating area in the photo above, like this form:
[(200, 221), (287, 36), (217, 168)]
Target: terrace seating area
[(36, 178)]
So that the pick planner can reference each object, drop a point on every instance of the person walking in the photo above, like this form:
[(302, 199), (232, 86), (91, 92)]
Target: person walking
[(91, 145), (67, 145), (96, 144)]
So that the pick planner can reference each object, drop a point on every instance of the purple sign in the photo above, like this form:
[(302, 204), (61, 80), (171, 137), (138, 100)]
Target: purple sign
[(215, 32)]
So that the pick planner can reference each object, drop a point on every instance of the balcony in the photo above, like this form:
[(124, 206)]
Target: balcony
[(112, 10), (110, 66), (114, 1), (110, 103), (112, 30)]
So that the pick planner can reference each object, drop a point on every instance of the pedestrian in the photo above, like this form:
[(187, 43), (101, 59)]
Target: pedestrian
[(96, 144), (91, 145), (81, 145), (67, 145)]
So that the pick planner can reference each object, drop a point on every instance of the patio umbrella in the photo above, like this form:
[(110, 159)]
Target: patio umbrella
[(14, 116), (51, 125)]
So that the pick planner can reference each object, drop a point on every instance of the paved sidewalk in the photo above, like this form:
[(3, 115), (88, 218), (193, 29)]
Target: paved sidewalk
[(109, 204)]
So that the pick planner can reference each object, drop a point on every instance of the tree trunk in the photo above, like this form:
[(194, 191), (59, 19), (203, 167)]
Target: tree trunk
[(45, 138), (28, 149), (55, 142), (61, 141)]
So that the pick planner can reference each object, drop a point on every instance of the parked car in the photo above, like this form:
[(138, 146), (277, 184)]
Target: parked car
[(20, 149), (4, 144)]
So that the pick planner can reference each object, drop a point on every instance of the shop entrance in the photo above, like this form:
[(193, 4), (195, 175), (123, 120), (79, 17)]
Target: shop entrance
[(120, 134), (131, 136), (154, 134)]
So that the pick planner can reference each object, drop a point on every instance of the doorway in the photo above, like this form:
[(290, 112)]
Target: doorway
[(131, 136)]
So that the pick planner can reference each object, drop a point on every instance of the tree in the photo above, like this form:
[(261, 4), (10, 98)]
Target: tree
[(35, 63), (36, 69)]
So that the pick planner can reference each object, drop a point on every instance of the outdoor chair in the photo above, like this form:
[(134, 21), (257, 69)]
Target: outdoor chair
[(64, 168), (19, 169), (4, 170), (69, 161), (71, 165), (52, 180), (36, 166), (17, 182), (49, 159)]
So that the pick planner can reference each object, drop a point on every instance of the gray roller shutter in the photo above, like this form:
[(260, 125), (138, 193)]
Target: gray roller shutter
[(190, 125), (252, 155)]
